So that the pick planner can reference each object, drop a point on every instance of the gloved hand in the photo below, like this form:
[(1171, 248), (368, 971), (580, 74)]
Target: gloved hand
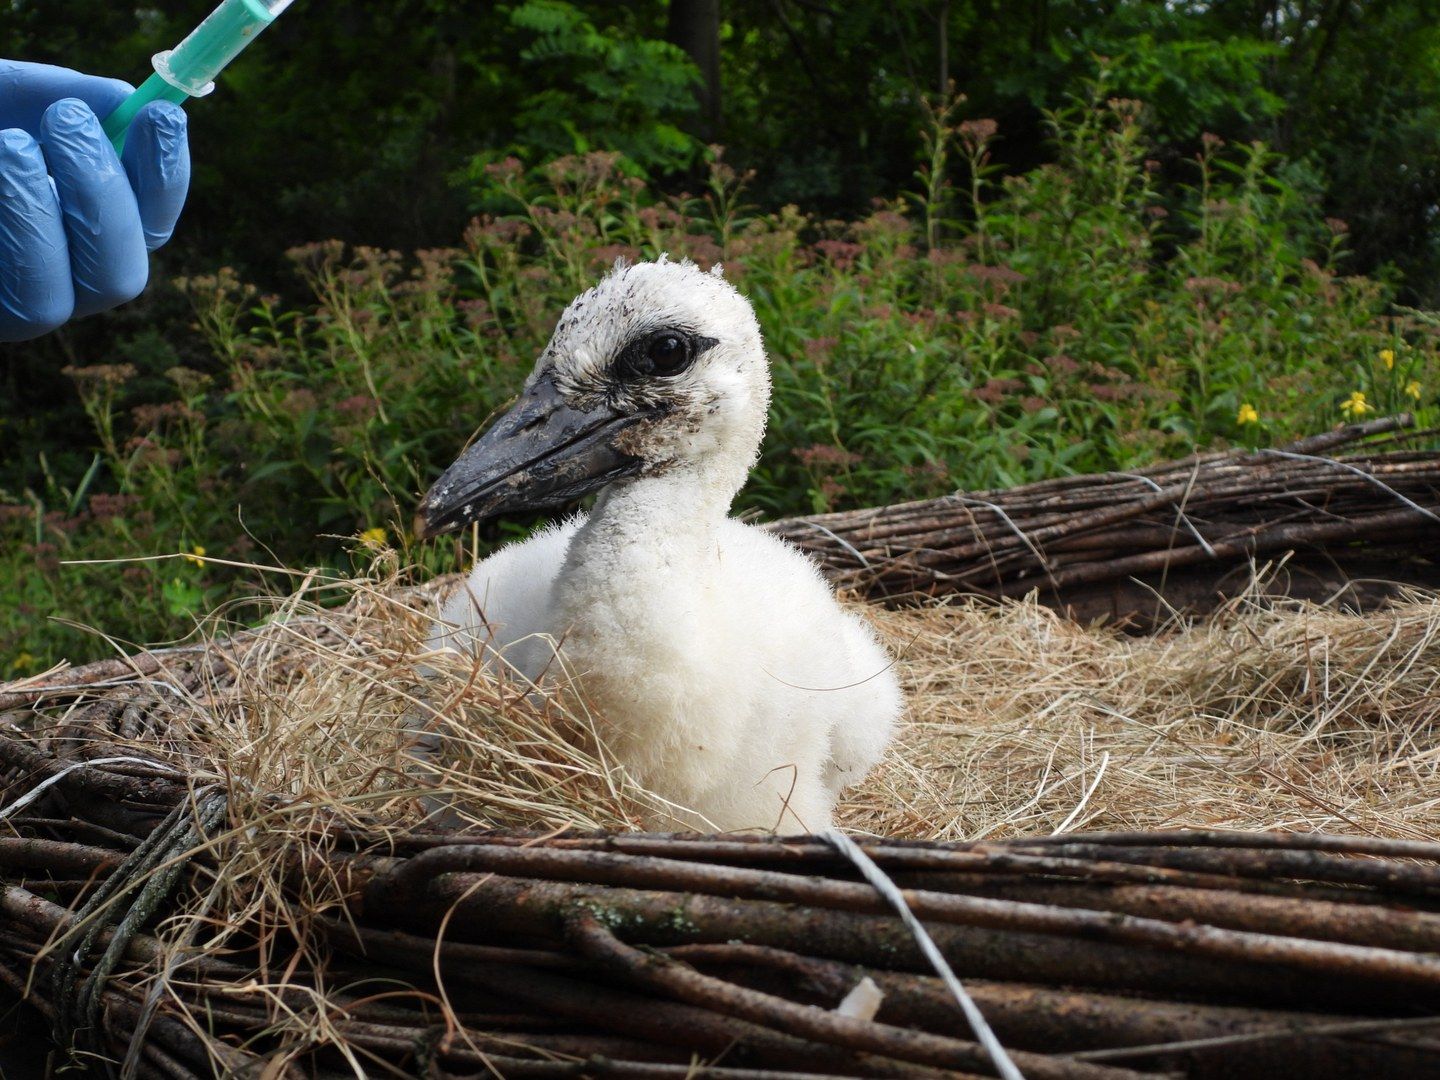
[(76, 223)]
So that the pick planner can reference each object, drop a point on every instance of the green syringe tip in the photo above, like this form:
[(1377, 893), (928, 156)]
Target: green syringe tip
[(152, 89)]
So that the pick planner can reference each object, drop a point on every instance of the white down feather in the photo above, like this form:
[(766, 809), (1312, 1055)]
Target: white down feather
[(726, 676)]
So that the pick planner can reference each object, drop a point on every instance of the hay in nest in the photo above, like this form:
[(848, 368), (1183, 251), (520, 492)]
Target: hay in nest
[(1271, 714), (333, 708), (322, 925)]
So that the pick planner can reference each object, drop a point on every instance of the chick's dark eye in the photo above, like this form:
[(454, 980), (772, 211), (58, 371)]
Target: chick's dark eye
[(667, 354)]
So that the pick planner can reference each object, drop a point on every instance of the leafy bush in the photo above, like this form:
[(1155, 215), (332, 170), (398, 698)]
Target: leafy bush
[(606, 88), (1078, 317)]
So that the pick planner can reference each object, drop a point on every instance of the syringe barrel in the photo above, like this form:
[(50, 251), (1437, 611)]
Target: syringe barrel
[(193, 64), (189, 69)]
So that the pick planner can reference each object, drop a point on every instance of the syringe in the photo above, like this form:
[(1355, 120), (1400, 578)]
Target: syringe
[(189, 69)]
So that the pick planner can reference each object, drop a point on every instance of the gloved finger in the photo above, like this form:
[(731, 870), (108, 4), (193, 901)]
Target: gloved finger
[(157, 160), (108, 261), (36, 294), (27, 90)]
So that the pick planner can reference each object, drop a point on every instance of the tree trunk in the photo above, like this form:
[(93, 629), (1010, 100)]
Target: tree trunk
[(694, 25), (942, 32)]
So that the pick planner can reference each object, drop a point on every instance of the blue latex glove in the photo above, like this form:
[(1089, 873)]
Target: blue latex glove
[(76, 223)]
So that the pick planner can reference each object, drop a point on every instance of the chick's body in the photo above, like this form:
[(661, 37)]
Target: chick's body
[(723, 673), (750, 699)]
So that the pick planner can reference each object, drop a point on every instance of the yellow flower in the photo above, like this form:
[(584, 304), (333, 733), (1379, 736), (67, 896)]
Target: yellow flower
[(1413, 388), (23, 662), (1387, 357), (376, 536), (197, 555), (1356, 405), (1247, 415)]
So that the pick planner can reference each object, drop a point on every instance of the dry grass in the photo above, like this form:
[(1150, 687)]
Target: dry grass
[(346, 711), (1020, 722), (1266, 716), (330, 717)]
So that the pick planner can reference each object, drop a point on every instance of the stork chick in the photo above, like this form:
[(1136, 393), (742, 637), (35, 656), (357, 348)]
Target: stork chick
[(727, 678)]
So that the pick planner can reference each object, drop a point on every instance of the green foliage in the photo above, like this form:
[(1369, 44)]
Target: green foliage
[(1083, 316), (606, 90), (359, 120), (365, 121), (1193, 74), (369, 122)]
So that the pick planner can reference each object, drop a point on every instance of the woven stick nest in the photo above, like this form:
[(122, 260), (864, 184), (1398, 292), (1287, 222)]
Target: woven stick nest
[(1138, 546), (221, 859), (1102, 957), (217, 861)]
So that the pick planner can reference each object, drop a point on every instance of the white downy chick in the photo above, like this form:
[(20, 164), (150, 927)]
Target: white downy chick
[(728, 679)]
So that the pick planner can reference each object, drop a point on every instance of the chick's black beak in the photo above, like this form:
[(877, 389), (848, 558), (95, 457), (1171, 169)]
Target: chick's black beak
[(541, 454)]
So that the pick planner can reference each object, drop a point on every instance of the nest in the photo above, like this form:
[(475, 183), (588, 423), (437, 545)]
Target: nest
[(1269, 714), (222, 859), (1135, 548), (226, 858)]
